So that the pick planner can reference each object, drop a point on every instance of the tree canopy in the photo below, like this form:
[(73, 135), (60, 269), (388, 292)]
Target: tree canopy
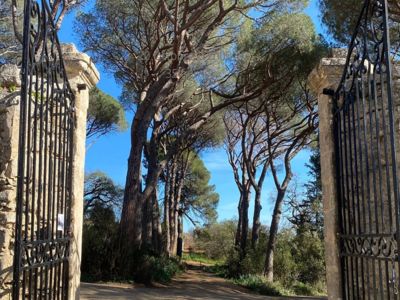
[(105, 114)]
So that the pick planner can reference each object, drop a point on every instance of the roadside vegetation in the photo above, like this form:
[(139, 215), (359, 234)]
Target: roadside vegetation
[(299, 267)]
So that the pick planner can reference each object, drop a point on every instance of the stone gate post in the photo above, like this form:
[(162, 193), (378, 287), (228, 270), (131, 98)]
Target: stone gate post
[(327, 76), (82, 75), (10, 84)]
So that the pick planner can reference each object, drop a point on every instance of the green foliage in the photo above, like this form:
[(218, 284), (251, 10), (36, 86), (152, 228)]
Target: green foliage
[(100, 258), (254, 261), (309, 256), (340, 17), (219, 270), (303, 289), (151, 268), (299, 258), (105, 114), (299, 264), (200, 258), (99, 239), (285, 265), (199, 199), (216, 239), (307, 210), (259, 284), (285, 43), (99, 188)]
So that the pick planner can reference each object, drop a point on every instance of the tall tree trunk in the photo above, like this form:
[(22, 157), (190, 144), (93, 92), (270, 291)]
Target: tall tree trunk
[(239, 225), (147, 224), (245, 223), (131, 217), (179, 182), (156, 225), (171, 205), (255, 234), (273, 233), (179, 250), (166, 227)]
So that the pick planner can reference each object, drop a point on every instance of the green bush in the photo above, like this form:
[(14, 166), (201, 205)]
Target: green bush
[(308, 252), (98, 248), (303, 289), (259, 284), (156, 269), (219, 270), (285, 265)]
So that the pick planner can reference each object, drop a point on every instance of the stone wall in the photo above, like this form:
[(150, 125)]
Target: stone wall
[(9, 124)]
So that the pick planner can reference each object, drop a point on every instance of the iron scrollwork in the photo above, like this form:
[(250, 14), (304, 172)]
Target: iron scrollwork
[(366, 160), (44, 195)]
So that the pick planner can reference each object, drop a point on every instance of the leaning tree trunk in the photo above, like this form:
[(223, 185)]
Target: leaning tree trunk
[(131, 217), (273, 233), (255, 234)]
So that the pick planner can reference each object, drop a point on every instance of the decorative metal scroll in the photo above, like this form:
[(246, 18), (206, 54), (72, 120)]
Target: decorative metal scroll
[(366, 158), (45, 162)]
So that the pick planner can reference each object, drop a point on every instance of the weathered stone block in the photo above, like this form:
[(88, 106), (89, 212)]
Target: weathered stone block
[(9, 76)]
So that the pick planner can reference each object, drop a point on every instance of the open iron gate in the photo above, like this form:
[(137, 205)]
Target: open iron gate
[(44, 166), (366, 125)]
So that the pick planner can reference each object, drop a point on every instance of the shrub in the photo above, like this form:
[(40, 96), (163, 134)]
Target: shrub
[(219, 270), (99, 239), (308, 252), (285, 266), (216, 239), (156, 269), (303, 289), (259, 284)]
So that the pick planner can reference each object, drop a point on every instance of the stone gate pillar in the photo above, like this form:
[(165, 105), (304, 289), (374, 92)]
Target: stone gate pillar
[(10, 84), (327, 76), (82, 75)]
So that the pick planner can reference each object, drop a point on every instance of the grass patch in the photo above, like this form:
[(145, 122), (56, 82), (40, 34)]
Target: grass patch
[(218, 269), (259, 284), (200, 258)]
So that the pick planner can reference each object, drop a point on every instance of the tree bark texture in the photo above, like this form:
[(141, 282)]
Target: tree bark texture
[(273, 233)]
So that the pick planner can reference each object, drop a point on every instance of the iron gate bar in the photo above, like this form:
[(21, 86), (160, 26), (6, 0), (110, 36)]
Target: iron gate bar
[(363, 119), (44, 162)]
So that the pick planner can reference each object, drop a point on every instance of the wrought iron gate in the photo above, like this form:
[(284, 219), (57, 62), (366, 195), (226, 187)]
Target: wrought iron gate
[(44, 166), (367, 107)]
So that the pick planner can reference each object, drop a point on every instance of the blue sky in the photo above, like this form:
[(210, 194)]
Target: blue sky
[(110, 153)]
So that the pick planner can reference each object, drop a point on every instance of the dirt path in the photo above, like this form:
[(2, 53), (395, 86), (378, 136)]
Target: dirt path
[(193, 284)]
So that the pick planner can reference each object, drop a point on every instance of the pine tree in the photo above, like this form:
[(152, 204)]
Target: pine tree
[(307, 214)]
